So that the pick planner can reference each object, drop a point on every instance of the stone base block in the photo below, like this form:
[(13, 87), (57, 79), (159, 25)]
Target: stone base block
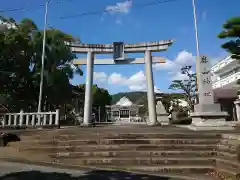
[(163, 119), (205, 122), (210, 108), (209, 117)]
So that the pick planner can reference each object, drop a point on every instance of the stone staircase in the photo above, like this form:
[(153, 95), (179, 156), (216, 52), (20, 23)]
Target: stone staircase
[(227, 161), (171, 152)]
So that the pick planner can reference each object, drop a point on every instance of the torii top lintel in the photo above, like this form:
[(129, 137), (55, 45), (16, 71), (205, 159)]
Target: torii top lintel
[(128, 48)]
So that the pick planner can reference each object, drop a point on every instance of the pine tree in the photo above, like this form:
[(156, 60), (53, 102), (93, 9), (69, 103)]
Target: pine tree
[(232, 32)]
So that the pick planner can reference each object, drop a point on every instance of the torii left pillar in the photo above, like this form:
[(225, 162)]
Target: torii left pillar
[(152, 117), (87, 120)]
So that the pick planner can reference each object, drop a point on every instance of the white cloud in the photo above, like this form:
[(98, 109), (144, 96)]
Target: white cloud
[(183, 58), (173, 67), (136, 82), (100, 76), (116, 78), (120, 7), (180, 76), (157, 90)]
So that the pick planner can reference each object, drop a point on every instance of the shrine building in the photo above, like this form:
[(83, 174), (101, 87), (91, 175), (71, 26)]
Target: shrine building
[(124, 111)]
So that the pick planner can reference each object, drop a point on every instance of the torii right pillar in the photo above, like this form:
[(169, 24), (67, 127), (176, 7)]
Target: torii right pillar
[(152, 117)]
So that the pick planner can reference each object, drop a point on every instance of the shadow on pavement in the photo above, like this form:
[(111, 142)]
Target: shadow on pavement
[(92, 175), (6, 138)]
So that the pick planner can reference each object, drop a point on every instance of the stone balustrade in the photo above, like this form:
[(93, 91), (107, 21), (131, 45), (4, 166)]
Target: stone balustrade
[(25, 119)]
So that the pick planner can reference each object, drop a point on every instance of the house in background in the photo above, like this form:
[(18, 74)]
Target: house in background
[(226, 74)]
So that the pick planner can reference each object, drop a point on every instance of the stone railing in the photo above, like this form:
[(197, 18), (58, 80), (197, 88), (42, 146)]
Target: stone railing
[(25, 119)]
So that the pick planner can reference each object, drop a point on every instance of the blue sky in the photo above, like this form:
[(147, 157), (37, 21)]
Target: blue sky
[(132, 24)]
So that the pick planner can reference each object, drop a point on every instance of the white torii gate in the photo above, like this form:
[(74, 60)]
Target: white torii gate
[(118, 49)]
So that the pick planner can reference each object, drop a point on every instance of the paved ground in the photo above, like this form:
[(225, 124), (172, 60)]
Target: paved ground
[(7, 167), (16, 171)]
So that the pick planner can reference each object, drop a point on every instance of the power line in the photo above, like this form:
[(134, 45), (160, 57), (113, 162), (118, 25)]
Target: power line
[(156, 2), (105, 11), (22, 8), (29, 8)]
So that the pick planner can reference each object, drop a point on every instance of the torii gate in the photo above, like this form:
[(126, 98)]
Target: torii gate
[(118, 49)]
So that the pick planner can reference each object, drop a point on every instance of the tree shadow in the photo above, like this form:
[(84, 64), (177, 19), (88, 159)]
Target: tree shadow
[(9, 137), (92, 175)]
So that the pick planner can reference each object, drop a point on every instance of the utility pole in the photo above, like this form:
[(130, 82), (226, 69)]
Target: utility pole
[(197, 44), (43, 57)]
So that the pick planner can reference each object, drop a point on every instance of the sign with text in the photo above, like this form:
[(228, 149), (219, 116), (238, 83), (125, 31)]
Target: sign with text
[(118, 51), (204, 81)]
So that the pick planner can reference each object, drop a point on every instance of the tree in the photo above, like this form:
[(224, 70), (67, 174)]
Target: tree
[(15, 58), (58, 69), (232, 32), (101, 98), (188, 86), (20, 65)]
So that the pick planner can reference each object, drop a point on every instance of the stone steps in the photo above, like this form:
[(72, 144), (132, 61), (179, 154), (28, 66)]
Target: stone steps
[(122, 147), (184, 173), (134, 153), (86, 161), (119, 135), (172, 169), (228, 156), (227, 148), (150, 150), (228, 142), (152, 172), (116, 141), (228, 165), (227, 174)]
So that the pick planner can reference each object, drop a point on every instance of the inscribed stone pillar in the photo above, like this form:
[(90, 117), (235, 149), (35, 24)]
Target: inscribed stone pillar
[(207, 115)]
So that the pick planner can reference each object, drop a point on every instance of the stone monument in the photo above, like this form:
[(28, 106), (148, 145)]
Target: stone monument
[(162, 115), (207, 115)]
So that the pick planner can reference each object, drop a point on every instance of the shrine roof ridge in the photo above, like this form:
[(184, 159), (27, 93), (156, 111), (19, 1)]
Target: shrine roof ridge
[(135, 45)]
